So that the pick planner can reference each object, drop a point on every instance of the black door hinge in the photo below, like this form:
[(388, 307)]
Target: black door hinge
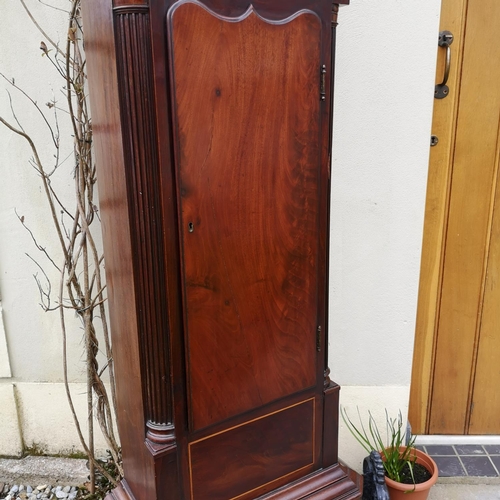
[(318, 339), (322, 85)]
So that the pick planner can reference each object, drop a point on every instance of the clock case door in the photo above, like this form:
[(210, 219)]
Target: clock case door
[(220, 347)]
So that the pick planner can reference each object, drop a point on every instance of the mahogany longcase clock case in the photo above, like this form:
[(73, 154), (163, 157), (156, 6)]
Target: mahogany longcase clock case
[(212, 123)]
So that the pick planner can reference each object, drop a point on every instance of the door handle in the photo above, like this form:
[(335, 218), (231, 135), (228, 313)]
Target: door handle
[(445, 40)]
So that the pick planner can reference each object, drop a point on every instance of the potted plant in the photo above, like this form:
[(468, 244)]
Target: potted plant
[(407, 470)]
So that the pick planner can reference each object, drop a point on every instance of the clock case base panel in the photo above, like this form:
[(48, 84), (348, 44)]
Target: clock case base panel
[(155, 456), (327, 484)]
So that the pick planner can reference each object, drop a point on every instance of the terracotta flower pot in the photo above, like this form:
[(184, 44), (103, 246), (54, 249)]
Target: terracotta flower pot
[(417, 491)]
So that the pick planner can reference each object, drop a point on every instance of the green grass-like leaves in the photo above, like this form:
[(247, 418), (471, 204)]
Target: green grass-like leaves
[(396, 452)]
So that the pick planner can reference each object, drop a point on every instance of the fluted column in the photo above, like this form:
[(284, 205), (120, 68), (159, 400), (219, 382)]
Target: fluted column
[(135, 75)]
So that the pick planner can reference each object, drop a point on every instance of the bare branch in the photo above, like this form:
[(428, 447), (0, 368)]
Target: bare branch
[(13, 112), (63, 208), (39, 28), (58, 149), (90, 455), (53, 6), (12, 82), (57, 64), (81, 286), (38, 246), (44, 181), (68, 70), (45, 303)]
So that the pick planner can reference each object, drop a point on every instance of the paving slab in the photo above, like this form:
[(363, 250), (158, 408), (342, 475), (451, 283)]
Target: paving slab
[(41, 470), (454, 491)]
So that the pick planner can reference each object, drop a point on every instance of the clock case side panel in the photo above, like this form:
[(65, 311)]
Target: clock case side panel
[(331, 389), (100, 52), (136, 288)]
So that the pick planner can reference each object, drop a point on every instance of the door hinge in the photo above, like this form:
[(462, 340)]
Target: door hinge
[(322, 87), (318, 339)]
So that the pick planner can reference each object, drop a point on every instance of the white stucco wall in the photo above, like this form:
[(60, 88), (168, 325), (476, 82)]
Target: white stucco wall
[(34, 392), (384, 95), (386, 56), (32, 334)]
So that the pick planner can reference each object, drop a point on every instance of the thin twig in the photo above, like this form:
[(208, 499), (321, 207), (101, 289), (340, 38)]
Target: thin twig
[(40, 29), (42, 249), (49, 126), (53, 6), (13, 112), (43, 293)]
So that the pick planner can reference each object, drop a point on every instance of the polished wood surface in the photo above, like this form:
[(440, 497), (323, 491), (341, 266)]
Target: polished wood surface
[(248, 167), (210, 113), (131, 3), (327, 484), (330, 445), (275, 9), (134, 60), (274, 447), (114, 208), (458, 308)]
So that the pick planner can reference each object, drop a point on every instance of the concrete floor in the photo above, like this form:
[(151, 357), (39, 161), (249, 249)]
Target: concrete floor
[(466, 488), (465, 492)]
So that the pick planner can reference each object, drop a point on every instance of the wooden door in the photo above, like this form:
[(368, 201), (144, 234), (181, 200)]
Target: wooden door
[(456, 372), (248, 164), (248, 118)]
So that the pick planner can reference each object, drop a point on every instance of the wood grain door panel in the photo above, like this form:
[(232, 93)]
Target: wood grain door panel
[(469, 223), (456, 374), (247, 141), (485, 407)]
